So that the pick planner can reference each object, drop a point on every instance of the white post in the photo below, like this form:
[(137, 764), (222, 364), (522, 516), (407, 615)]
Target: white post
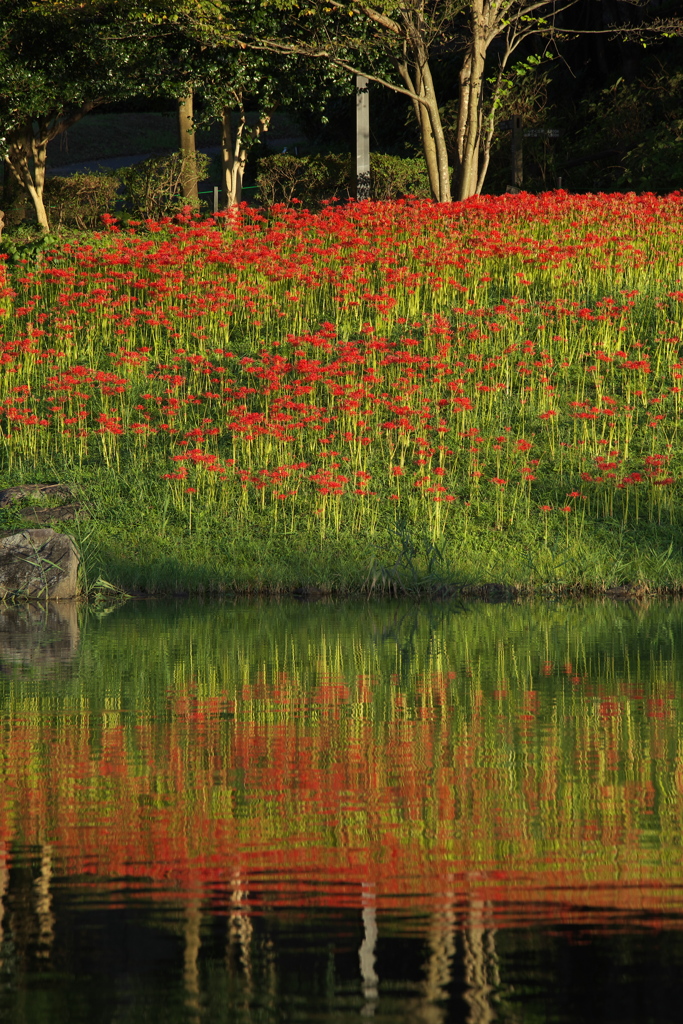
[(362, 138)]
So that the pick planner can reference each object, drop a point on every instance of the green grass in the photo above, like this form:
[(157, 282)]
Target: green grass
[(138, 541), (394, 399)]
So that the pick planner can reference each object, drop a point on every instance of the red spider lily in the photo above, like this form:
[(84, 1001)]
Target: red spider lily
[(352, 394)]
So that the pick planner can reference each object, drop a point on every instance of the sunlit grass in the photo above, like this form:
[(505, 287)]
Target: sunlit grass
[(382, 395)]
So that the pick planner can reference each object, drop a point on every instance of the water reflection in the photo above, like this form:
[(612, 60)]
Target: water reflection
[(193, 921), (4, 882), (240, 932), (348, 811), (366, 953), (439, 965), (481, 965), (43, 903), (36, 635)]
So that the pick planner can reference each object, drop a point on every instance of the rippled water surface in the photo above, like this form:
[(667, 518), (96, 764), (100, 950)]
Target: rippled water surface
[(330, 812)]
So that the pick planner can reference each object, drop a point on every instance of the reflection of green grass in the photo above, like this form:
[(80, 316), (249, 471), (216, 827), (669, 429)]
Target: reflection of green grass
[(536, 739)]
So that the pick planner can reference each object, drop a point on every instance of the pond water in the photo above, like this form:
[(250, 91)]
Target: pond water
[(266, 812)]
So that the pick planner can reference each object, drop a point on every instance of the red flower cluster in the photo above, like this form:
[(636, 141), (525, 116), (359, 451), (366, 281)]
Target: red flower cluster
[(403, 343)]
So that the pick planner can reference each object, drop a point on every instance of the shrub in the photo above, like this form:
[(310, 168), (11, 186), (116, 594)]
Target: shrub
[(283, 178), (81, 199), (394, 177), (279, 178), (152, 188)]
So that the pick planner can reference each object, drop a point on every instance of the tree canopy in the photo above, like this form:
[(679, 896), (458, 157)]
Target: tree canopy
[(59, 59)]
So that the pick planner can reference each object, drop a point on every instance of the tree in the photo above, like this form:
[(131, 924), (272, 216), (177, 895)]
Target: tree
[(240, 86), (188, 148), (59, 60), (409, 33), (248, 92), (480, 37)]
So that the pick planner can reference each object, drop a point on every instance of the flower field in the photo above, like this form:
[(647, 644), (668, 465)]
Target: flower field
[(377, 394)]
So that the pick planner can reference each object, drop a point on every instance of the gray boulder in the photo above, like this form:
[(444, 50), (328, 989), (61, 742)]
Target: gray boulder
[(11, 494), (38, 564), (40, 515)]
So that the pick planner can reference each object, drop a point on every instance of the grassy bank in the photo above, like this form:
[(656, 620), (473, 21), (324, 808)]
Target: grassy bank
[(379, 396)]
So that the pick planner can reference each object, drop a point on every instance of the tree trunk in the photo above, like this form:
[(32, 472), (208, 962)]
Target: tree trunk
[(39, 148), (429, 149), (436, 127), (463, 93), (425, 126), (429, 120), (231, 165), (21, 149), (188, 174), (471, 96), (13, 196), (235, 150), (26, 155)]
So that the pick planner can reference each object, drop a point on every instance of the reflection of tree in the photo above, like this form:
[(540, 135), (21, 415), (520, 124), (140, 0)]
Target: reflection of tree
[(28, 905), (481, 962), (438, 968), (366, 953), (4, 885), (240, 934), (46, 919), (193, 922)]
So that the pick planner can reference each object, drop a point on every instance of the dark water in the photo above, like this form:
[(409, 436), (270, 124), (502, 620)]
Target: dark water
[(335, 812)]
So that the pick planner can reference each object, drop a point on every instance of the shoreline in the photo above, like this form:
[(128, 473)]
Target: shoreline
[(491, 593)]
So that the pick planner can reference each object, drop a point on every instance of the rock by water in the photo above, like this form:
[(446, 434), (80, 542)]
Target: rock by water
[(38, 564)]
